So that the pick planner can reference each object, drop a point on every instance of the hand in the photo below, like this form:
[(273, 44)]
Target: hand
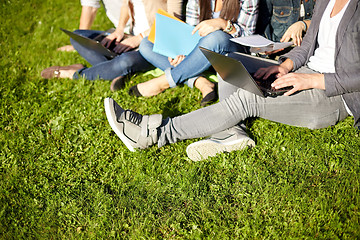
[(177, 60), (66, 48), (264, 73), (274, 51), (294, 32), (299, 81), (128, 44), (209, 26), (117, 36)]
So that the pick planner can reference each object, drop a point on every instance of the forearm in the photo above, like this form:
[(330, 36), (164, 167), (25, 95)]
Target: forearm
[(87, 17), (124, 17)]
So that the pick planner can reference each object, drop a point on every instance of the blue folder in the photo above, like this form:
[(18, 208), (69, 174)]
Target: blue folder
[(173, 38)]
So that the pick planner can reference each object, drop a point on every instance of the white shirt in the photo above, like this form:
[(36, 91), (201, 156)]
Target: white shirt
[(112, 8), (141, 21), (323, 59)]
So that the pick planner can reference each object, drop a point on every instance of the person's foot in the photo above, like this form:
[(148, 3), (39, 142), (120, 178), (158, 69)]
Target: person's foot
[(66, 48), (118, 83), (208, 90), (152, 87), (134, 129), (228, 140), (61, 72)]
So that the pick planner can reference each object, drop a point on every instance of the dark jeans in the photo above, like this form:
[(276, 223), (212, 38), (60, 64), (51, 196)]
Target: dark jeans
[(104, 68)]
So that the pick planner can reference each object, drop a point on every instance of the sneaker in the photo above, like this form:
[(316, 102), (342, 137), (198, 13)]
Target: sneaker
[(134, 129), (228, 140)]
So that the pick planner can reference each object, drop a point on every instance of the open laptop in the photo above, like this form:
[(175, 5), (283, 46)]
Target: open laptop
[(238, 69), (94, 44)]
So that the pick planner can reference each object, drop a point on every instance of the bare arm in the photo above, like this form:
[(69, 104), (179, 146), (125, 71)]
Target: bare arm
[(118, 34), (87, 17)]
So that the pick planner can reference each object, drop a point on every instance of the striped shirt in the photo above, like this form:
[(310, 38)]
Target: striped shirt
[(245, 24)]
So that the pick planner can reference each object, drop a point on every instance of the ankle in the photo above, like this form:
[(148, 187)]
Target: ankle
[(204, 85), (67, 73)]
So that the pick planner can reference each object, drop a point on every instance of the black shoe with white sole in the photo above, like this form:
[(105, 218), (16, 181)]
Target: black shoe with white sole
[(134, 130)]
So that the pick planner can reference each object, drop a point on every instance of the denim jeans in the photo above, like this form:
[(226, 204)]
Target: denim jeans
[(309, 108), (104, 68), (275, 17), (193, 64)]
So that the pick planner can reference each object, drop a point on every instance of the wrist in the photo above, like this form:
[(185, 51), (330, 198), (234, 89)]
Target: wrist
[(229, 27), (305, 26)]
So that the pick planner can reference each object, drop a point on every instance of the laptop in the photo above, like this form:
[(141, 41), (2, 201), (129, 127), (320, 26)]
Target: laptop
[(238, 69), (94, 44)]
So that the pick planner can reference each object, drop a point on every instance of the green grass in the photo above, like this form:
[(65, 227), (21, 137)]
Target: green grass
[(65, 174)]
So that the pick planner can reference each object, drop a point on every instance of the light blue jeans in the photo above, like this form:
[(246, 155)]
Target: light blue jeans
[(193, 64), (309, 108), (104, 68)]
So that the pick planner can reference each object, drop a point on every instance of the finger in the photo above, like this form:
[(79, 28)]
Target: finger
[(292, 91), (284, 39), (197, 27), (127, 49), (108, 43), (118, 39)]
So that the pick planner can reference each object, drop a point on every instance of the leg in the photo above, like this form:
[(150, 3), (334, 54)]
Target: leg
[(310, 108), (89, 55), (125, 63), (157, 60), (196, 63), (191, 67)]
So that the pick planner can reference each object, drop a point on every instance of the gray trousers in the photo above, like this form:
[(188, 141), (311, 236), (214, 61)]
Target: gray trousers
[(309, 108)]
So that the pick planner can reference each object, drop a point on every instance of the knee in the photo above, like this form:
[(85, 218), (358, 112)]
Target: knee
[(145, 47), (215, 41)]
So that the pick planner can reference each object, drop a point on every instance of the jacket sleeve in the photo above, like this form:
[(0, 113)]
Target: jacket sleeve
[(347, 65)]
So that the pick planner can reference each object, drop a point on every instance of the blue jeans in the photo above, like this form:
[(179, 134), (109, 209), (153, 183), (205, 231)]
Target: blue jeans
[(104, 68), (193, 64)]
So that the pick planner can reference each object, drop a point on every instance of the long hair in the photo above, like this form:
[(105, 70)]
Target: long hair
[(230, 10)]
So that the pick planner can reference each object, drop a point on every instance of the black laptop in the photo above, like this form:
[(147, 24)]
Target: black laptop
[(238, 69), (94, 44)]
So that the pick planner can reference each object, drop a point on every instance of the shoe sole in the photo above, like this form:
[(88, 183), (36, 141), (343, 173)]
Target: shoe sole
[(110, 114), (207, 148)]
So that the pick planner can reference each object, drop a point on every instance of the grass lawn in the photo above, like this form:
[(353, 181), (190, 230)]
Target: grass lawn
[(65, 174)]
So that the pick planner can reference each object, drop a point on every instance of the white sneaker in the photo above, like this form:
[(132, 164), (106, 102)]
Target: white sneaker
[(232, 139), (134, 129)]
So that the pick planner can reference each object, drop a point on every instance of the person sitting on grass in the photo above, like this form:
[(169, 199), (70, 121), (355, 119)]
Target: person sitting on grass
[(129, 60), (324, 73), (88, 13), (217, 21)]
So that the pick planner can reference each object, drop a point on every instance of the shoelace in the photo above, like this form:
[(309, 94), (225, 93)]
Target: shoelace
[(133, 117)]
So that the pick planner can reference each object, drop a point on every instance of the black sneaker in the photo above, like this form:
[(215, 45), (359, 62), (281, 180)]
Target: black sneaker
[(134, 129)]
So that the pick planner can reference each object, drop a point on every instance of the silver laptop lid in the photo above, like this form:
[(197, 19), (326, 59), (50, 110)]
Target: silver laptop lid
[(90, 43)]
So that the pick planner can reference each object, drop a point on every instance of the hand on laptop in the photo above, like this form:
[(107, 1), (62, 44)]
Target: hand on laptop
[(117, 36), (128, 44), (264, 73), (299, 81)]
